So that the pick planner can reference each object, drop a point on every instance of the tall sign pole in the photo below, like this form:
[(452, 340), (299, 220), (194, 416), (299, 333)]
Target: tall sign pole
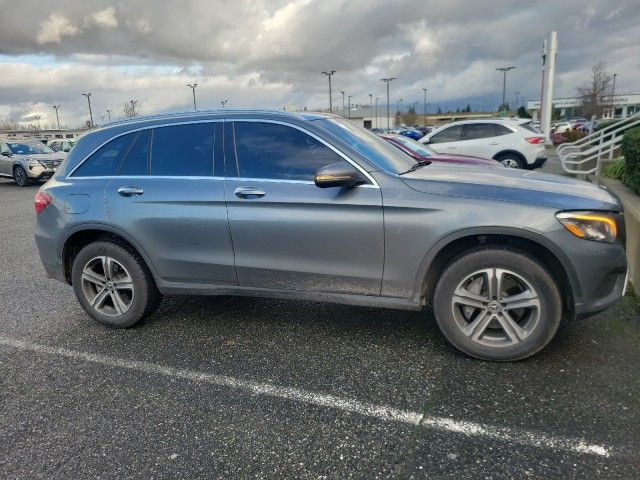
[(549, 53)]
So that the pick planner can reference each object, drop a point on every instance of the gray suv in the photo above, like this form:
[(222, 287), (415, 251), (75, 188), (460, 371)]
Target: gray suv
[(311, 206), (28, 161)]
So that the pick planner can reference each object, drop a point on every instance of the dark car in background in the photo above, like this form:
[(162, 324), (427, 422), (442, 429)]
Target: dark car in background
[(422, 152), (312, 206)]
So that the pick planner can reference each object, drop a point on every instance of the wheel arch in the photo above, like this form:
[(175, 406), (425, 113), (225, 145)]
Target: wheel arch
[(82, 235), (502, 153), (531, 243)]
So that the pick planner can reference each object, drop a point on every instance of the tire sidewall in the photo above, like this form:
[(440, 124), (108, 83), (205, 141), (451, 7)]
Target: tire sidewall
[(136, 271), (23, 175), (523, 265)]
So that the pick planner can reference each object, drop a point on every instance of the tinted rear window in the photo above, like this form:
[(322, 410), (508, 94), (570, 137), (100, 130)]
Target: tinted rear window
[(106, 160), (183, 150)]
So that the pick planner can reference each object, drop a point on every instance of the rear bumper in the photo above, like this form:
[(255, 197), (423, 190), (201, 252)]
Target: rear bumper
[(538, 162)]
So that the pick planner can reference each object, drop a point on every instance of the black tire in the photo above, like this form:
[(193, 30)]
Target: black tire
[(145, 296), (20, 177), (511, 160), (543, 320)]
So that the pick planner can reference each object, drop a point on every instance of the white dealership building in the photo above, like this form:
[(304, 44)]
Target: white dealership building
[(622, 106)]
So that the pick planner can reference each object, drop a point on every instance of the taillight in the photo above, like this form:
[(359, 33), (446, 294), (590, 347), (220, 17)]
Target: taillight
[(41, 201), (535, 140)]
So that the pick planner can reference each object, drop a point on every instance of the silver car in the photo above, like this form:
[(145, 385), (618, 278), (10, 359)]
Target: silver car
[(28, 161), (311, 206)]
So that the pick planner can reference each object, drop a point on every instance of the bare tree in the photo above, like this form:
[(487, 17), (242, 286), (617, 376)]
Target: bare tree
[(131, 109), (595, 92)]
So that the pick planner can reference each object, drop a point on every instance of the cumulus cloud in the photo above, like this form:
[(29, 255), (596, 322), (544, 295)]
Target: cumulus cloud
[(270, 53), (54, 28)]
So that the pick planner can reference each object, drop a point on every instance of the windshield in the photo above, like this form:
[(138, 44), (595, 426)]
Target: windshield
[(370, 145), (28, 148), (415, 147)]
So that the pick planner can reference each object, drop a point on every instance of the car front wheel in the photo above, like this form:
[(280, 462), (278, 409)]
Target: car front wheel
[(497, 304), (20, 177)]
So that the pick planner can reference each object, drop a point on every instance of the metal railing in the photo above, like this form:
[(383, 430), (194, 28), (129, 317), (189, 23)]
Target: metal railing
[(585, 156)]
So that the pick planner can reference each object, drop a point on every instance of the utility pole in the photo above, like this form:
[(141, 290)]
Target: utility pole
[(109, 114), (193, 86), (387, 81), (329, 74), (504, 71), (350, 96), (342, 92), (377, 100), (224, 103), (549, 53), (424, 106), (88, 95), (371, 107), (56, 107)]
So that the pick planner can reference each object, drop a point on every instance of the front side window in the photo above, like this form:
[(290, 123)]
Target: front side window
[(183, 150), (451, 134), (106, 160), (274, 151)]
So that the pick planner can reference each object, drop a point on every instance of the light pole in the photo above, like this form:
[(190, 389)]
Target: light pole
[(224, 103), (504, 71), (342, 92), (133, 107), (424, 106), (377, 100), (516, 105), (38, 117), (350, 105), (613, 93), (193, 86), (88, 95), (387, 81), (109, 114), (371, 107), (329, 74), (56, 107)]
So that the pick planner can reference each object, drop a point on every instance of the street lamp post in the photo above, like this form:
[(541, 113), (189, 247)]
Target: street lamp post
[(56, 107), (613, 93), (504, 71), (387, 81), (88, 95), (193, 86), (38, 117), (342, 92), (371, 107), (424, 106), (377, 100), (329, 74), (109, 114), (133, 107), (516, 105), (224, 103), (350, 96)]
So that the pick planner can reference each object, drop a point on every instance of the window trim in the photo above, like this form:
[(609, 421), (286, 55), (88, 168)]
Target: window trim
[(303, 130)]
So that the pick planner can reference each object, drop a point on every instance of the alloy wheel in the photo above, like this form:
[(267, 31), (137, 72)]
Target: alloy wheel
[(20, 177), (510, 163), (107, 286), (496, 307)]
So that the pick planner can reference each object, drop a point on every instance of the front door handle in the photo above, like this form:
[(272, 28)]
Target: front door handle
[(249, 192), (129, 191)]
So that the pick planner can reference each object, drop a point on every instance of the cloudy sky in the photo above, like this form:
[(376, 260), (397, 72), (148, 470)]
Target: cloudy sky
[(270, 53)]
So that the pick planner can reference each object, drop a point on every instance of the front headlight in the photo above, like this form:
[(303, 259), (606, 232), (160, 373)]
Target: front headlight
[(597, 226)]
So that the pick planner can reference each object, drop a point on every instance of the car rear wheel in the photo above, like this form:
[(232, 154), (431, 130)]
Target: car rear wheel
[(20, 177), (511, 160), (113, 284), (497, 304)]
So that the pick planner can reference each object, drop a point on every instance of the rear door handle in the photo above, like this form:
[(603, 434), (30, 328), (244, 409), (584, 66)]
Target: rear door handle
[(249, 192), (129, 191)]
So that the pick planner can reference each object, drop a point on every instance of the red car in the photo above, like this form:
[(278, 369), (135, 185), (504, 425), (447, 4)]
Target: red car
[(420, 151)]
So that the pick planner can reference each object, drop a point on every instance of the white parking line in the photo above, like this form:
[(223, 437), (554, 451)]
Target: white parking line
[(513, 435)]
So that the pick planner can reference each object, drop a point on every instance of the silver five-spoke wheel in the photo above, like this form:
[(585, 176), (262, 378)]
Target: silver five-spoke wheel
[(107, 286), (495, 307)]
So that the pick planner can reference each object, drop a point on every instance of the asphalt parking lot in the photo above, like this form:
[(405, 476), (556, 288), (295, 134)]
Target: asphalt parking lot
[(235, 387)]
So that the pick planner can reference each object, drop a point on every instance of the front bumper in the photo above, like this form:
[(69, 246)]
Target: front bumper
[(37, 172)]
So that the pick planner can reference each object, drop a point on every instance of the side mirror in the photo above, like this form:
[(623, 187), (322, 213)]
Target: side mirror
[(67, 149), (6, 153), (340, 174)]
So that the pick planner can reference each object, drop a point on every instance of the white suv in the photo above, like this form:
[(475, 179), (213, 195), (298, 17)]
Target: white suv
[(511, 141)]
